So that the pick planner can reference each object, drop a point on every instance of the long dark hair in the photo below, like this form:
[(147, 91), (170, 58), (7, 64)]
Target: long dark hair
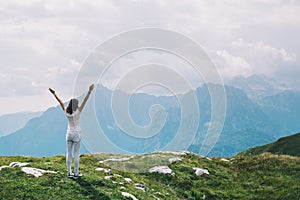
[(73, 105)]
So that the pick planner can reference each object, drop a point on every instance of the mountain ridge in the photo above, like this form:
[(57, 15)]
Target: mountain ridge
[(10, 123), (289, 145), (257, 86), (44, 136)]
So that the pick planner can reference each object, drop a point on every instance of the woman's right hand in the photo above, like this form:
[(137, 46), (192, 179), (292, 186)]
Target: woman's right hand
[(91, 87), (51, 90)]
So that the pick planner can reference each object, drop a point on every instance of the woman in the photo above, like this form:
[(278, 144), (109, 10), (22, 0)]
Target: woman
[(73, 135)]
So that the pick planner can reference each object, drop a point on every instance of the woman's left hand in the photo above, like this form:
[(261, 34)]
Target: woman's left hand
[(51, 90), (91, 87)]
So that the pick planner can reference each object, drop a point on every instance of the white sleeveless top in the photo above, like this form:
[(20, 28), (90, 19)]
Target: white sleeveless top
[(74, 121)]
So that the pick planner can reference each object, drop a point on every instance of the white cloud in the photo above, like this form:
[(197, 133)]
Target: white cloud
[(51, 39), (264, 58), (288, 56), (260, 49), (230, 65), (17, 83), (126, 65)]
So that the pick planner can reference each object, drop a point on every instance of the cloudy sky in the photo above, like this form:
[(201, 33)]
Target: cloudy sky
[(44, 43)]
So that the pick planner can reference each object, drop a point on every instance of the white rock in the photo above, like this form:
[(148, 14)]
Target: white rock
[(116, 159), (103, 169), (4, 166), (36, 172), (172, 160), (224, 159), (122, 187), (200, 171), (18, 164), (128, 180), (140, 186), (178, 153), (107, 177), (14, 164), (126, 194), (117, 175), (161, 170)]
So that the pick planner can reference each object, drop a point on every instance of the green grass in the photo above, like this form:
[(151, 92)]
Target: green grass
[(264, 176)]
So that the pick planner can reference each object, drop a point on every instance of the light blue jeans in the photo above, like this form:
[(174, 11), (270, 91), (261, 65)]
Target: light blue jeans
[(73, 139)]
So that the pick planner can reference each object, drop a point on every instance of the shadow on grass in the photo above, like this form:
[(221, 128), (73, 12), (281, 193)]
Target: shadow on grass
[(89, 189)]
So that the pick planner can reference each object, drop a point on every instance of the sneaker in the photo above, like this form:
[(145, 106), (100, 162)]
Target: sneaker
[(70, 175), (77, 176)]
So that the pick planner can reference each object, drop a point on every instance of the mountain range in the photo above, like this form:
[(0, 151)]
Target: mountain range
[(249, 122), (10, 123), (258, 86)]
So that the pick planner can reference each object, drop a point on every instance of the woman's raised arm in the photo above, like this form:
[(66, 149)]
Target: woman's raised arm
[(57, 98), (86, 97)]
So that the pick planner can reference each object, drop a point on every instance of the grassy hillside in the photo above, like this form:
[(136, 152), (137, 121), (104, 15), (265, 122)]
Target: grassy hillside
[(244, 177), (289, 145)]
